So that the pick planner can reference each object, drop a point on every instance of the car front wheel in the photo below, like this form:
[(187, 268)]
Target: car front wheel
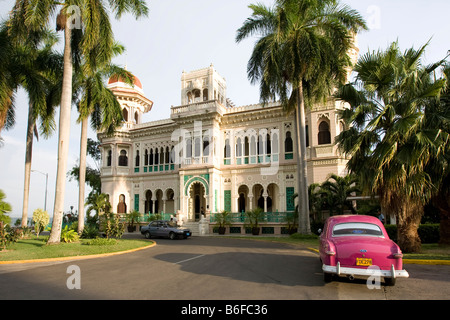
[(172, 236)]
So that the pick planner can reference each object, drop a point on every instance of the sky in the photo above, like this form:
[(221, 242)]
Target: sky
[(188, 35)]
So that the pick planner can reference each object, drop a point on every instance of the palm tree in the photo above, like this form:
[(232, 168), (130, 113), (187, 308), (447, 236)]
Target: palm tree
[(100, 102), (98, 202), (34, 66), (338, 189), (95, 46), (438, 115), (300, 57), (389, 139)]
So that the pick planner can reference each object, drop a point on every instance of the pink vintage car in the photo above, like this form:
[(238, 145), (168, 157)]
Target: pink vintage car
[(358, 245)]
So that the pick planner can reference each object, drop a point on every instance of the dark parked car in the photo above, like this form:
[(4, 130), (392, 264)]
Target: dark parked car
[(162, 228)]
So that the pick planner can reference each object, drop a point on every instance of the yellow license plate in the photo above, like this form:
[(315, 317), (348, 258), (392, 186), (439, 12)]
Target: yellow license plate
[(363, 262)]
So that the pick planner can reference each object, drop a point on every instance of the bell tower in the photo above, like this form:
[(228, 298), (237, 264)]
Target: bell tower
[(203, 85)]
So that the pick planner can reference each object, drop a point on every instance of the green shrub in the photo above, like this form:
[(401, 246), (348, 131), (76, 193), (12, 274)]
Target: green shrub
[(41, 220), (429, 233), (112, 226), (8, 235), (89, 232), (68, 235), (300, 236)]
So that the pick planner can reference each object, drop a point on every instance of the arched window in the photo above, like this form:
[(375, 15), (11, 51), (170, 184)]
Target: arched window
[(161, 156), (188, 148), (206, 147), (227, 152), (288, 146), (146, 157), (151, 157), (268, 145), (125, 114), (156, 156), (123, 158), (136, 117), (137, 159), (275, 143), (253, 146), (167, 155), (324, 136), (109, 158), (239, 147), (205, 94), (307, 135), (197, 150)]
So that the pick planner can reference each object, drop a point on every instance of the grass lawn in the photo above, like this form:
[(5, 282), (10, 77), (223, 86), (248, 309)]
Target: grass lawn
[(28, 249)]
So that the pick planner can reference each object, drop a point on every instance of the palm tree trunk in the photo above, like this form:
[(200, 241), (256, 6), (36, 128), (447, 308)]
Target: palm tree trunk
[(28, 155), (82, 173), (302, 177), (409, 217), (63, 142)]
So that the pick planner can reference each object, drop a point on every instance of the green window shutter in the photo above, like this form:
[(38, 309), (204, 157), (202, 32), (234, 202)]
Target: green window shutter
[(290, 205), (136, 202), (227, 200), (215, 200)]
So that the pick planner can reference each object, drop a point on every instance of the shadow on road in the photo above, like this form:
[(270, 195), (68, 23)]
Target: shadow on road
[(281, 269)]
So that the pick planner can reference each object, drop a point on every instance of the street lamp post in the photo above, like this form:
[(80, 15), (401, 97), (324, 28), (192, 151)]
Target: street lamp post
[(46, 183)]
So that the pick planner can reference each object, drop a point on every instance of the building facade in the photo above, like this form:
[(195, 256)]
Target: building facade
[(210, 155)]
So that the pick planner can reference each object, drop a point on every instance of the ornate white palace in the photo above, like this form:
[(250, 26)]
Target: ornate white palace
[(211, 155)]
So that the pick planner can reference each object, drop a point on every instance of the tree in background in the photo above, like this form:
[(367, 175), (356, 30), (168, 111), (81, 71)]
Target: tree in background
[(300, 57), (391, 139), (92, 16)]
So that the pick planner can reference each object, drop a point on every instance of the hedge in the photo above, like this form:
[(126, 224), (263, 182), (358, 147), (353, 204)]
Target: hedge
[(428, 233)]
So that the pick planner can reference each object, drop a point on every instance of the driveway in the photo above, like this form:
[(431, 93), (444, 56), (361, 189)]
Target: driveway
[(210, 268)]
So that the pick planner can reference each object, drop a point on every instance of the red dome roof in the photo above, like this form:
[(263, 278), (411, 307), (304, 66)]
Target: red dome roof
[(115, 79)]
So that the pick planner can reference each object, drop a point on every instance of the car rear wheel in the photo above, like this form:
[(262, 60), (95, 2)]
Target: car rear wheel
[(327, 277), (172, 236), (148, 235), (389, 281)]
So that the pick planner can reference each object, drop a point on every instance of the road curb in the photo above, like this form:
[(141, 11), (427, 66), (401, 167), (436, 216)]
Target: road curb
[(91, 256), (412, 261)]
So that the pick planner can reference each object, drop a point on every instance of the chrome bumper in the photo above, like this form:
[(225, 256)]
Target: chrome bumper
[(374, 271)]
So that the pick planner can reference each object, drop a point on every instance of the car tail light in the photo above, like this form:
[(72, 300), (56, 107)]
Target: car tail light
[(398, 255), (330, 253)]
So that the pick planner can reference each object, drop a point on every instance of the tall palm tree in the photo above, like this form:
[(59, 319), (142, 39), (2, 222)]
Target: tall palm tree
[(438, 115), (100, 103), (390, 140), (300, 57), (96, 47), (34, 66)]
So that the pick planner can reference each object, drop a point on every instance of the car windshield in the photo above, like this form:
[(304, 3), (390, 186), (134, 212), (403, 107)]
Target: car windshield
[(171, 224), (357, 229)]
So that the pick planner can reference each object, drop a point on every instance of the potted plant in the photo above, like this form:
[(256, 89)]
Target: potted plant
[(253, 218), (222, 219), (132, 217)]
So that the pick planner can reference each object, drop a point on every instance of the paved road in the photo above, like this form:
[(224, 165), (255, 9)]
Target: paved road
[(202, 268)]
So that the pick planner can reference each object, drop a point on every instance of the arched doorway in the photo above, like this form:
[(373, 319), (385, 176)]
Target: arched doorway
[(122, 206), (243, 205), (273, 198), (197, 201), (148, 202), (258, 197)]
